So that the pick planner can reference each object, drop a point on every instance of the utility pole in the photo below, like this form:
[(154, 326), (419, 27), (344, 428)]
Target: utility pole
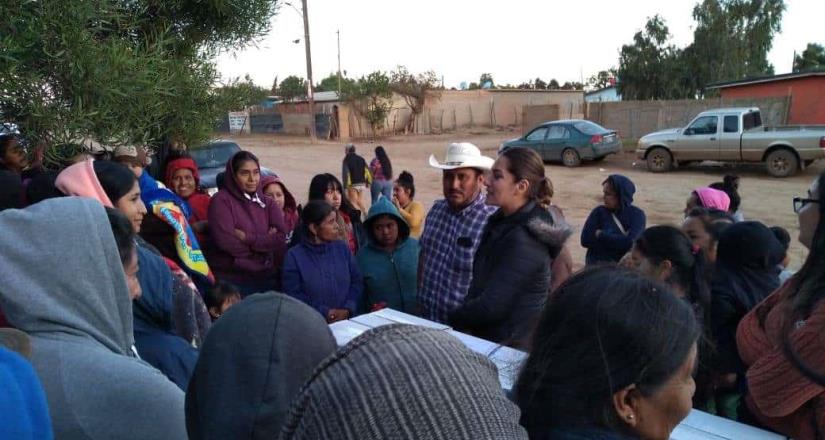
[(338, 32), (310, 87)]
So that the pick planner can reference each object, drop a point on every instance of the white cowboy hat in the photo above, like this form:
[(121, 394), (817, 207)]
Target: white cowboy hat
[(463, 155)]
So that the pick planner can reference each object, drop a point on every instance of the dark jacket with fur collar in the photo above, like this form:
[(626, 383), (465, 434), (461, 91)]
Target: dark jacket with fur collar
[(511, 276)]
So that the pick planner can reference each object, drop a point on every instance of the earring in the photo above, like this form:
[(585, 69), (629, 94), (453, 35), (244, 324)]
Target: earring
[(630, 417)]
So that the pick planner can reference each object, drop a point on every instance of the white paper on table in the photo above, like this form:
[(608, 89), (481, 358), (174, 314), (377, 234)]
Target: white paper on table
[(345, 331), (478, 345), (405, 318), (372, 320), (700, 425), (509, 362)]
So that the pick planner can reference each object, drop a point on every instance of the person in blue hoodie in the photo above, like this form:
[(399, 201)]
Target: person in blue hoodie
[(389, 261), (320, 270), (612, 227), (24, 413)]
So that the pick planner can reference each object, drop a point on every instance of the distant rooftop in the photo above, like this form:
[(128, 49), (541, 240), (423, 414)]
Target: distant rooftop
[(765, 79)]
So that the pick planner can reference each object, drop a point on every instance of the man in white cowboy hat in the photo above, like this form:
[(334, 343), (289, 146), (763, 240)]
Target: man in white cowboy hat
[(452, 231)]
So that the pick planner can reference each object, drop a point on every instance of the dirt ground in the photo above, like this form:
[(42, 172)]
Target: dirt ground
[(577, 190)]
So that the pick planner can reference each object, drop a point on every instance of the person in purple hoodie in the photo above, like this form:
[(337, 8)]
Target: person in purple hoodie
[(247, 229), (320, 270)]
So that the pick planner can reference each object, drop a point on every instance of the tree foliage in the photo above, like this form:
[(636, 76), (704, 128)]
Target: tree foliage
[(119, 72), (292, 87), (241, 93), (812, 58), (539, 84), (370, 97), (486, 78), (415, 89), (330, 83), (553, 84), (731, 41), (604, 78)]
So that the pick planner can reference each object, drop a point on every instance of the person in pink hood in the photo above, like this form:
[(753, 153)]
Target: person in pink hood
[(275, 188), (248, 229), (707, 198)]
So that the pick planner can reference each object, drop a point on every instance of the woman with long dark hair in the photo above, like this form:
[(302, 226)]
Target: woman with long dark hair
[(328, 188), (512, 266), (781, 340), (666, 254), (381, 170), (612, 357)]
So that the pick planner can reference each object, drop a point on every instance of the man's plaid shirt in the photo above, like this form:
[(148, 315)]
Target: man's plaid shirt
[(448, 245)]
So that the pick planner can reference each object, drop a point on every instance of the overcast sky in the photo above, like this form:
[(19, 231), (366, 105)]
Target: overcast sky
[(515, 40)]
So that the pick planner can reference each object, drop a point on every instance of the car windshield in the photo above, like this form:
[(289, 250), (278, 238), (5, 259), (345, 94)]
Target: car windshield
[(214, 155), (589, 128)]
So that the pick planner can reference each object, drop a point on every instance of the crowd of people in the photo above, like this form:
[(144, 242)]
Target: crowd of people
[(136, 305)]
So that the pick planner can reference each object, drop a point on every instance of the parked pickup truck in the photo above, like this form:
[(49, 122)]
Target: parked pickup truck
[(734, 135)]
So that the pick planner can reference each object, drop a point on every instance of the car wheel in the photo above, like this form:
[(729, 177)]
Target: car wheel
[(570, 158), (782, 163), (659, 160)]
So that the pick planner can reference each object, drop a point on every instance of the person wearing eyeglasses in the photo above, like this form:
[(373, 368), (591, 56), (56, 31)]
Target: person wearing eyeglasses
[(780, 340)]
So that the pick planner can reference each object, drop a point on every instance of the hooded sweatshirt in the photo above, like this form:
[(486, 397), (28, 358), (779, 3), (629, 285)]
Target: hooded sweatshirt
[(325, 276), (713, 199), (746, 273), (155, 339), (155, 279), (260, 255), (290, 208), (79, 319), (23, 411), (250, 368), (612, 243), (198, 201), (390, 278), (404, 382), (511, 276)]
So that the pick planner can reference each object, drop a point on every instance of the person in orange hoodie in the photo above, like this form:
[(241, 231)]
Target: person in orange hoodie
[(782, 340)]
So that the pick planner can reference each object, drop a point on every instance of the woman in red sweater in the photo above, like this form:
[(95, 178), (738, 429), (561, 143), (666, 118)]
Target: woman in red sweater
[(782, 340)]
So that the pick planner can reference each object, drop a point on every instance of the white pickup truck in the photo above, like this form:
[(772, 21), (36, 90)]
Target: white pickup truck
[(734, 135)]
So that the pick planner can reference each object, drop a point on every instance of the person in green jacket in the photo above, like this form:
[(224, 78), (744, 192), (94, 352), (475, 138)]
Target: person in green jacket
[(389, 261)]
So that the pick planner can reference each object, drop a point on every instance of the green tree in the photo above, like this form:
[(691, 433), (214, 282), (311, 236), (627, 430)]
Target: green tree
[(330, 83), (292, 87), (525, 85), (553, 84), (274, 89), (645, 64), (731, 41), (415, 89), (119, 72), (812, 58), (575, 85), (370, 98), (473, 86), (241, 93), (602, 79), (486, 78), (539, 84)]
